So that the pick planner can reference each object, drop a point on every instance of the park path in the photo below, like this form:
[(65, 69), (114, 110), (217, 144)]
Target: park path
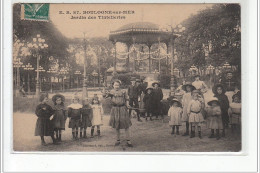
[(151, 136)]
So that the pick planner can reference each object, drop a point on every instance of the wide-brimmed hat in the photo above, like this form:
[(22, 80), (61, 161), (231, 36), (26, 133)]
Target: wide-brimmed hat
[(132, 79), (238, 94), (215, 87), (56, 96), (138, 80), (42, 96), (149, 87), (156, 82), (116, 80), (213, 100), (188, 84), (196, 75), (174, 100), (195, 91)]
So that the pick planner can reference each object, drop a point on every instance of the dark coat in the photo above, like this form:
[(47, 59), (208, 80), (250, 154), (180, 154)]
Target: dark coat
[(157, 97), (149, 102), (158, 94), (224, 105), (44, 127), (134, 91)]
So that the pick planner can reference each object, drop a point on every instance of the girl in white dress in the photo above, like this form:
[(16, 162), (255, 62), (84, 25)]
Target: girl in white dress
[(188, 88), (234, 112), (175, 113), (97, 115)]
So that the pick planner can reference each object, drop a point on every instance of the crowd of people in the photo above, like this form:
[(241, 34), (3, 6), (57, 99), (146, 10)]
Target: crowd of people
[(145, 100)]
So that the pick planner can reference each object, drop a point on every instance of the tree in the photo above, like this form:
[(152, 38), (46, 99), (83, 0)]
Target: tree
[(214, 32)]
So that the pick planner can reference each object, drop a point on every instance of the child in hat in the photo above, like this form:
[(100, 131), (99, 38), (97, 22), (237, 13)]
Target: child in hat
[(74, 113), (219, 92), (234, 112), (215, 119), (175, 113), (98, 112), (148, 100), (188, 88), (43, 125), (119, 117), (87, 115), (194, 110), (60, 115)]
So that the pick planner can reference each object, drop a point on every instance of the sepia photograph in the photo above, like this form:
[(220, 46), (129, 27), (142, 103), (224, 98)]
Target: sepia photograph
[(131, 77)]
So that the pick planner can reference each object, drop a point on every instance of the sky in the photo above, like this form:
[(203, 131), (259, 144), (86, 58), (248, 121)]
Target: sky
[(161, 14)]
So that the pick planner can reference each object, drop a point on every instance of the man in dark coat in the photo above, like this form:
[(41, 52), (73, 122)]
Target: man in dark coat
[(158, 96), (134, 91)]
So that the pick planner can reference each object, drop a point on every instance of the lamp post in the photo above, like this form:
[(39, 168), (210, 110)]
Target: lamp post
[(52, 70), (28, 68), (78, 73), (95, 74), (17, 64), (175, 31), (210, 69), (37, 45), (63, 72), (85, 91), (38, 70)]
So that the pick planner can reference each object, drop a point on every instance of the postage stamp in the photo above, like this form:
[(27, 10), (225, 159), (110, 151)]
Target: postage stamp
[(35, 12)]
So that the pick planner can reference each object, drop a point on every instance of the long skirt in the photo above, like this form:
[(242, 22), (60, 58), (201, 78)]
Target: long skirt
[(119, 118), (59, 122), (44, 127), (215, 122), (85, 122)]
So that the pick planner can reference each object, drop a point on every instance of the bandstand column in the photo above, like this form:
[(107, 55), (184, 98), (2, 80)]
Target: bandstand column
[(128, 57), (149, 56), (114, 72), (167, 58), (172, 90), (84, 90)]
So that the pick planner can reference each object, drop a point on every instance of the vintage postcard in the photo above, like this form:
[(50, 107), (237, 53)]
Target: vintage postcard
[(127, 77)]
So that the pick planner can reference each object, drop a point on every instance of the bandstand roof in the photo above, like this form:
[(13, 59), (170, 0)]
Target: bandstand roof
[(141, 33)]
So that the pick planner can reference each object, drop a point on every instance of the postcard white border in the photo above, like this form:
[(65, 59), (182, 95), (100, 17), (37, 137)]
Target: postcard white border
[(245, 161)]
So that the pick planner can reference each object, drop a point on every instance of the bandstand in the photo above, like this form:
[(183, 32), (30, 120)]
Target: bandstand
[(146, 34)]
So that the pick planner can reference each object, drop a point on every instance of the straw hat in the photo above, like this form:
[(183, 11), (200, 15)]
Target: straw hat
[(238, 94), (132, 79), (215, 87), (195, 91), (116, 80), (56, 96), (148, 87), (184, 87), (156, 82), (213, 100), (175, 101)]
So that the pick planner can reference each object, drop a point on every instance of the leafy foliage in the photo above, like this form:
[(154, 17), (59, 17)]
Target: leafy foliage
[(218, 28)]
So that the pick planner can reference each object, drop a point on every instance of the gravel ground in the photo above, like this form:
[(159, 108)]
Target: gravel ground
[(150, 136)]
